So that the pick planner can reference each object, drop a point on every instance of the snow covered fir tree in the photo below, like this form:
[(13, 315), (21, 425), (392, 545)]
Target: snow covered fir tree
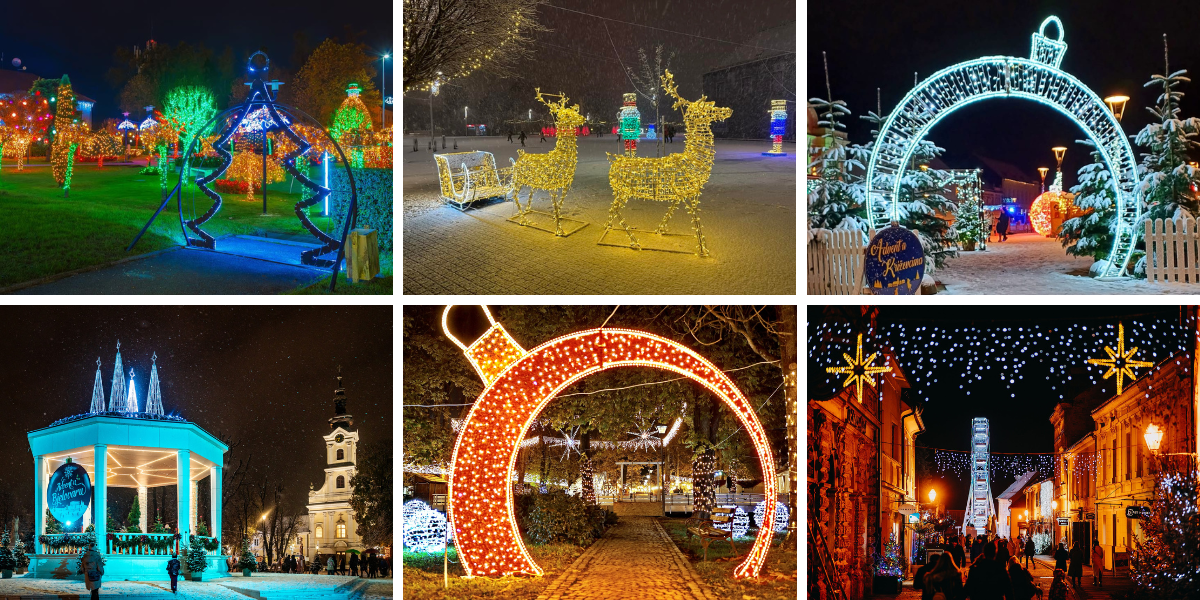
[(1166, 179), (1091, 233)]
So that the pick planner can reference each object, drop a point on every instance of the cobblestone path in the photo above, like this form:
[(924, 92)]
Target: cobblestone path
[(634, 559)]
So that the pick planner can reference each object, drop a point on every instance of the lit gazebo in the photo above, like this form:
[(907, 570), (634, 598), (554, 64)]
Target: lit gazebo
[(134, 449)]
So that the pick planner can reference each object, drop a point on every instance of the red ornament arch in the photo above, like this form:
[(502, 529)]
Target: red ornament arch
[(519, 384)]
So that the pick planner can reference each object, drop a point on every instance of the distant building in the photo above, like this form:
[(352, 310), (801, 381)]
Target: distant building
[(12, 82), (331, 523), (749, 78)]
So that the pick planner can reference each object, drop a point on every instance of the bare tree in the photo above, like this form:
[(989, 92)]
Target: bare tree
[(233, 484), (648, 83), (456, 37), (280, 519)]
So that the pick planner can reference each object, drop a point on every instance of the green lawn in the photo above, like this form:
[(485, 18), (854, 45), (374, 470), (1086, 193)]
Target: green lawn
[(45, 233), (423, 575), (777, 581)]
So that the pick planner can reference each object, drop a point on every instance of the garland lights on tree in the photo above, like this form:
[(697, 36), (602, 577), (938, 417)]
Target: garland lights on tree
[(891, 562), (67, 135), (23, 120), (519, 384), (187, 108), (1165, 562), (352, 125)]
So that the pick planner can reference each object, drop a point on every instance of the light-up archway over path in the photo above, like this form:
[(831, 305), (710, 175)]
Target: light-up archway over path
[(1036, 78), (519, 384)]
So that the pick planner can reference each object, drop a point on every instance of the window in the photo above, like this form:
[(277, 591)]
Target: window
[(341, 454), (320, 531), (341, 482), (341, 530), (1128, 463), (1139, 459)]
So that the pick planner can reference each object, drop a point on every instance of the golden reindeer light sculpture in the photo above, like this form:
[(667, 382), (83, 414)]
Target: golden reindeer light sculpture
[(553, 171), (676, 178)]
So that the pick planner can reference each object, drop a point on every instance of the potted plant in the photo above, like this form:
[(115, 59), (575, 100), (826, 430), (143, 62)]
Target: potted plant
[(889, 568), (197, 558), (7, 562), (246, 561)]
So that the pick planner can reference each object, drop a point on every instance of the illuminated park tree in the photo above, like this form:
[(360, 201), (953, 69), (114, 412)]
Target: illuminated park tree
[(101, 143), (247, 166), (187, 109), (457, 37), (352, 125), (23, 120), (67, 136)]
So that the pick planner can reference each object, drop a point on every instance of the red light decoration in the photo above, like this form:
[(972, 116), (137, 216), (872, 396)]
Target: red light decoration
[(520, 384)]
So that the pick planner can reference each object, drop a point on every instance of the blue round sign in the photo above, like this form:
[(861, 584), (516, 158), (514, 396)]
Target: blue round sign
[(69, 493), (894, 263)]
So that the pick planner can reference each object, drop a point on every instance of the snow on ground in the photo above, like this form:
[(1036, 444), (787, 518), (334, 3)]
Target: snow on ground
[(748, 213), (217, 589), (1032, 264)]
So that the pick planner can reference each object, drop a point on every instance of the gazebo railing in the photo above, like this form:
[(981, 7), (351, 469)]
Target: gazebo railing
[(142, 544), (65, 543)]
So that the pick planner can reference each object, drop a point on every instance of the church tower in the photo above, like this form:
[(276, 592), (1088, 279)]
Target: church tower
[(330, 521)]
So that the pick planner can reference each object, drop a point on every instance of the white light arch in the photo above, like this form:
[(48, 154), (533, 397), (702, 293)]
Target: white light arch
[(1036, 78)]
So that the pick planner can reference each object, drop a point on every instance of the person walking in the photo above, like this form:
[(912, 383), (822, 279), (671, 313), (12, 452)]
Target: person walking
[(1059, 589), (522, 138), (543, 135), (919, 578), (1078, 556), (988, 579), (354, 565), (1060, 557), (1002, 226), (956, 550), (510, 135), (1023, 585), (342, 565), (92, 565), (329, 566), (1029, 550), (976, 548), (944, 579), (173, 572), (1097, 564)]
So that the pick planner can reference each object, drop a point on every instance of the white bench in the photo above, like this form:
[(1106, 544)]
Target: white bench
[(468, 177)]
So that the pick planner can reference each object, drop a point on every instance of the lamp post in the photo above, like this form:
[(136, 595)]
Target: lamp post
[(465, 121), (1043, 171), (1116, 105), (383, 92)]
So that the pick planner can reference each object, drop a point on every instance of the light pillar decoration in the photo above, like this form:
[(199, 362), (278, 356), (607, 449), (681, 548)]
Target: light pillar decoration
[(144, 517), (183, 470), (1037, 78), (116, 396), (39, 503), (97, 405), (631, 124), (154, 394), (519, 385), (100, 496), (778, 114), (131, 404)]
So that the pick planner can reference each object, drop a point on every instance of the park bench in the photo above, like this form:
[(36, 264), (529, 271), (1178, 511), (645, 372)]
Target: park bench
[(468, 177), (705, 528)]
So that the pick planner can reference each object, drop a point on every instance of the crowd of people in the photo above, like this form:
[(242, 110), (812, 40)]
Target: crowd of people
[(369, 565), (991, 569)]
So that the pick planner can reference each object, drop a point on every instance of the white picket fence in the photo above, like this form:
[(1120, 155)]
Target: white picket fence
[(1172, 248), (835, 262)]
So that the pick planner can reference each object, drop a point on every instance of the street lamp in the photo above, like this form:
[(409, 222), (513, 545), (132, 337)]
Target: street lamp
[(1059, 152), (932, 494), (1116, 104), (383, 92), (1153, 437), (1043, 171)]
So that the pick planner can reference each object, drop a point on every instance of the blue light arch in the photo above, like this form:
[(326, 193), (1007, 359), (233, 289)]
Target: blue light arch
[(1036, 78)]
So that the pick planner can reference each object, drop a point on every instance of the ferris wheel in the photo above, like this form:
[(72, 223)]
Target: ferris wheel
[(980, 507)]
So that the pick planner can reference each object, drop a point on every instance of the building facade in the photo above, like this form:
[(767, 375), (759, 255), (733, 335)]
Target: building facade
[(861, 475), (332, 529), (750, 78)]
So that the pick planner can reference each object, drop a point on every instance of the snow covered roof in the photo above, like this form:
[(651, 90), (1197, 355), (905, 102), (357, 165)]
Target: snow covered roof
[(1021, 483)]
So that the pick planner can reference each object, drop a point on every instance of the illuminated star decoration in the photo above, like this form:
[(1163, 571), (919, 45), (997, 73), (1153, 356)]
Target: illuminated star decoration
[(1120, 362), (860, 370)]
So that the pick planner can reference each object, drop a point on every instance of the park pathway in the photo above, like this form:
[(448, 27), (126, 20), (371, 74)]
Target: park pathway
[(634, 559)]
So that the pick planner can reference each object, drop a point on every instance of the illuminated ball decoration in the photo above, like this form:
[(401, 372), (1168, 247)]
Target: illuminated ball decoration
[(425, 531), (1045, 206), (412, 507), (778, 114), (675, 179), (480, 490), (553, 171), (781, 515), (740, 522)]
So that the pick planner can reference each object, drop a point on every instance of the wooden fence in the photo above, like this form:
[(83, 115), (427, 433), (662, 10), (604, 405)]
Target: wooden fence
[(835, 262), (1172, 247)]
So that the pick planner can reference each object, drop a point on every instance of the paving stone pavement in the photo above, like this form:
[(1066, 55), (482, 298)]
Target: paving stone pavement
[(634, 559), (748, 211)]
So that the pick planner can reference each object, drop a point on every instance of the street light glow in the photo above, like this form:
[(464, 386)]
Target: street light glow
[(932, 494), (1153, 437)]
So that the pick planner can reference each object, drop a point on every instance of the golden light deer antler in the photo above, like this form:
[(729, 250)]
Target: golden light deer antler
[(672, 89), (562, 102)]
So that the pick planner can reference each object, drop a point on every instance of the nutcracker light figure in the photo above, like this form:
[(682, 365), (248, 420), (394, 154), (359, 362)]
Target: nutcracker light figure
[(778, 126), (631, 124)]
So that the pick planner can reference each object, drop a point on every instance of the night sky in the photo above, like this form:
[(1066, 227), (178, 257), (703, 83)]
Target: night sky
[(261, 375), (1113, 48), (1019, 414), (578, 57), (82, 44)]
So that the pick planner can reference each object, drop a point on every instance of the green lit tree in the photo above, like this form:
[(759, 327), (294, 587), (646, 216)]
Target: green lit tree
[(891, 562), (134, 517), (1165, 562), (66, 135), (187, 109)]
